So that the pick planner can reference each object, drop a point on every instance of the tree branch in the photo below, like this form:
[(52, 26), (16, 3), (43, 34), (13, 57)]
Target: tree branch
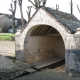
[(71, 4), (78, 8), (57, 7), (40, 1), (20, 2), (44, 2), (13, 10), (29, 12), (31, 2), (10, 10)]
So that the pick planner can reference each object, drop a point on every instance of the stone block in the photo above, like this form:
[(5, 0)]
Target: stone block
[(20, 55), (30, 70)]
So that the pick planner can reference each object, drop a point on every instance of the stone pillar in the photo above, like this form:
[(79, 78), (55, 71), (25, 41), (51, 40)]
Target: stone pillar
[(18, 51), (69, 46), (17, 35), (72, 59), (75, 56)]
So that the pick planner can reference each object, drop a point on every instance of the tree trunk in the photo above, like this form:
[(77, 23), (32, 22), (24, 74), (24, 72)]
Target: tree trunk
[(13, 23), (13, 10), (22, 18), (71, 4)]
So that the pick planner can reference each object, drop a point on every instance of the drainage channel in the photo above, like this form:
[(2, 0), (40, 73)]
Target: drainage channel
[(32, 69)]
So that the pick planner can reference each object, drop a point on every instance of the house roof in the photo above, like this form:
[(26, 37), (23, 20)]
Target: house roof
[(19, 21), (10, 17), (68, 20)]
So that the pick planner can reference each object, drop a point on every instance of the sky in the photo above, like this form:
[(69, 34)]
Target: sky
[(64, 6)]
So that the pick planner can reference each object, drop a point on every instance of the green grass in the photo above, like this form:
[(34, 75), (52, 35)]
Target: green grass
[(6, 36)]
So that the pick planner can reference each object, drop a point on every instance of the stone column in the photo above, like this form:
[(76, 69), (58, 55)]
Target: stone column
[(77, 50), (72, 60), (69, 46), (18, 51)]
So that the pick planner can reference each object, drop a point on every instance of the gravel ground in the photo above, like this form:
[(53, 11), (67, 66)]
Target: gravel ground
[(48, 74), (7, 48), (10, 69)]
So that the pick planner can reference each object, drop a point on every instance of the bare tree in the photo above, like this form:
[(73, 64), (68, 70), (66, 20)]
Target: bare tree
[(78, 8), (22, 18), (29, 12), (44, 2), (71, 5), (13, 10), (37, 3), (57, 7)]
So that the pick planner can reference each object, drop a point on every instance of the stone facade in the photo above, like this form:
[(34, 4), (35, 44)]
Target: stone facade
[(43, 46)]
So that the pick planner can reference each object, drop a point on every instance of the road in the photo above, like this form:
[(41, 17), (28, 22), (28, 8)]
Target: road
[(7, 48)]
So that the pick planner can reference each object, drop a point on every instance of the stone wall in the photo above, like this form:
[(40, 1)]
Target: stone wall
[(75, 54), (44, 47), (72, 60)]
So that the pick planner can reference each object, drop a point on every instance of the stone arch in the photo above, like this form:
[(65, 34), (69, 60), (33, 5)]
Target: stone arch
[(29, 30), (26, 41)]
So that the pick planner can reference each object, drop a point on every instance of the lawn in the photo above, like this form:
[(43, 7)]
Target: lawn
[(7, 37)]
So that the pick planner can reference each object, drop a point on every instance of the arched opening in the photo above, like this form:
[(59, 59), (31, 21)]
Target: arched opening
[(45, 44)]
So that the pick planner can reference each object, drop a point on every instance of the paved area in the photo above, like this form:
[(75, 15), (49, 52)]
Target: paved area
[(10, 69), (49, 74), (7, 48)]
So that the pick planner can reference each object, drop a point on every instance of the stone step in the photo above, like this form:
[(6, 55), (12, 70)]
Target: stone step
[(47, 62), (30, 70)]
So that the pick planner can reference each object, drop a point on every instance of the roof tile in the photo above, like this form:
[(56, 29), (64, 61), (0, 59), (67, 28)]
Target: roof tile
[(68, 20)]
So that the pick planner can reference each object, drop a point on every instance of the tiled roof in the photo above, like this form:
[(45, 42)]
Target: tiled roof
[(10, 17), (68, 20)]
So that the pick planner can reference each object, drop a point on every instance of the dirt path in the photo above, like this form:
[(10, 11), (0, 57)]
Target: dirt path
[(7, 48)]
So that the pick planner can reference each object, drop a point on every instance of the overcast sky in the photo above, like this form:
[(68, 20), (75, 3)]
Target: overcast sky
[(64, 6)]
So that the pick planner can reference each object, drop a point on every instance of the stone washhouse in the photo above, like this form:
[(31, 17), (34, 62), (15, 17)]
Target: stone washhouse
[(49, 34)]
